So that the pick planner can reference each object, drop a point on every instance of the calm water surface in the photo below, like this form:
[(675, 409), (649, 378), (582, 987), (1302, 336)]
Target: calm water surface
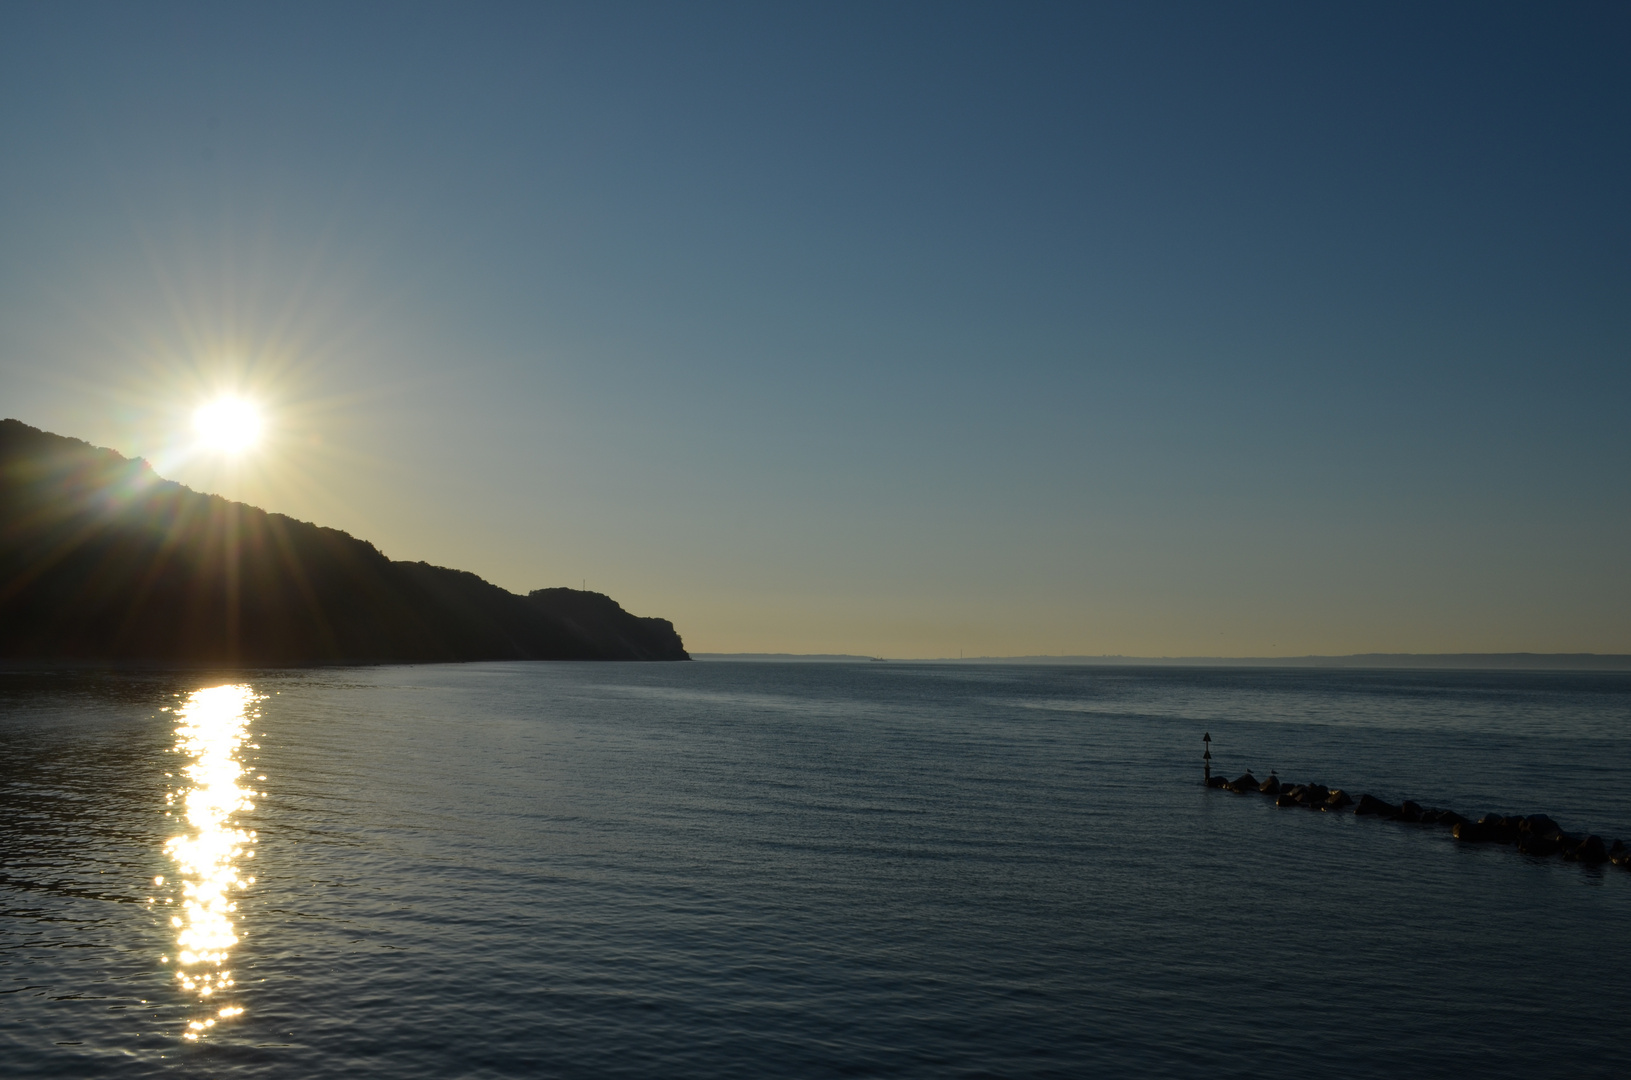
[(719, 869)]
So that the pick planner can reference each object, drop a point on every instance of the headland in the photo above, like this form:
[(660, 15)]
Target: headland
[(103, 561)]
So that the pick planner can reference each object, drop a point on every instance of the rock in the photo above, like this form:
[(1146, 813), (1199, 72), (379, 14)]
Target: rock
[(1312, 796), (1501, 830), (1538, 825), (1370, 804), (1489, 829), (1530, 843), (1590, 851), (1449, 819), (1533, 834), (1297, 796)]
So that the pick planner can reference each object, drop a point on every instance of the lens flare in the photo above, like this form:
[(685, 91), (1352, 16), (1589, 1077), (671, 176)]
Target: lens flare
[(212, 725), (228, 424)]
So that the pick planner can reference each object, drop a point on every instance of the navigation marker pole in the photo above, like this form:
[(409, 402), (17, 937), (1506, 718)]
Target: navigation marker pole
[(1207, 757)]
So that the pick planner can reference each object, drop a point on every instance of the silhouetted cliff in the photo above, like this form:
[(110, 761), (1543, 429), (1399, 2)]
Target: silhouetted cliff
[(102, 560)]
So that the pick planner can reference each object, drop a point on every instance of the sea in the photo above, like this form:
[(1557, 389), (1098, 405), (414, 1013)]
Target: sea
[(733, 869)]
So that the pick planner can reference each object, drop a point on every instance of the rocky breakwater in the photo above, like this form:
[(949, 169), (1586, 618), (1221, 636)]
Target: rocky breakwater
[(1534, 834)]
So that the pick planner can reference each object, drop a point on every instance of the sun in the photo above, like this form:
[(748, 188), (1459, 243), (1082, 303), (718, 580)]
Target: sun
[(228, 424)]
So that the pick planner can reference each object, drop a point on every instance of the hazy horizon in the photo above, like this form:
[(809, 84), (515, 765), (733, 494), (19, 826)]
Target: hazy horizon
[(1267, 331), (1562, 662)]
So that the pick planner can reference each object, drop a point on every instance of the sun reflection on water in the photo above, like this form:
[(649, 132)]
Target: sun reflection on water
[(212, 727)]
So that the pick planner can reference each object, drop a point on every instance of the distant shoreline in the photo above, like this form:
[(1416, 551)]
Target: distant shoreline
[(1377, 661)]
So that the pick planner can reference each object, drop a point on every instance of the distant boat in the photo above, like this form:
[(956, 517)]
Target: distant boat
[(879, 660)]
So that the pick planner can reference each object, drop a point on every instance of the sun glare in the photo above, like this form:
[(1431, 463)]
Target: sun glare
[(211, 854), (228, 424)]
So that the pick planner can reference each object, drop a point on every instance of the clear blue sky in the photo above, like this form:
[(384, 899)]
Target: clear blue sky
[(1159, 329)]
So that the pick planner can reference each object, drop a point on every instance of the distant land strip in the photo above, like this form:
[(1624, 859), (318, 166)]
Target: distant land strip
[(1516, 661), (789, 658)]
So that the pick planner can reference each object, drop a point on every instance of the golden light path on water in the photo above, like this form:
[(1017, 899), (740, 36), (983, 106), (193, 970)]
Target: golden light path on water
[(212, 729)]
